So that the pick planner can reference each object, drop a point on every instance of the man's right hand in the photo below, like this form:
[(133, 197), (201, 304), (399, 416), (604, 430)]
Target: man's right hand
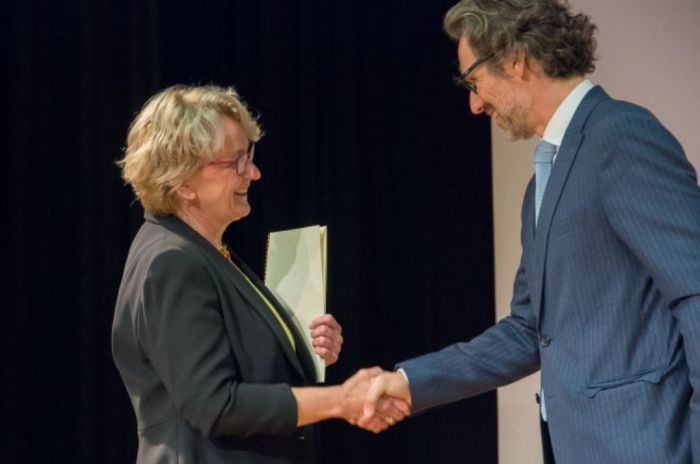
[(392, 386)]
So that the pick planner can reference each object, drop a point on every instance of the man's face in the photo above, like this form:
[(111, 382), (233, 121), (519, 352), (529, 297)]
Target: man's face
[(500, 97)]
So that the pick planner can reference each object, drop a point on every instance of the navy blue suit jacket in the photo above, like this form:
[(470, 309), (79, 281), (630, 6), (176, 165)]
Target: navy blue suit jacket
[(606, 299)]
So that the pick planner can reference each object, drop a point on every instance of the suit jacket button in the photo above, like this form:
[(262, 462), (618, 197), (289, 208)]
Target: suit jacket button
[(544, 341)]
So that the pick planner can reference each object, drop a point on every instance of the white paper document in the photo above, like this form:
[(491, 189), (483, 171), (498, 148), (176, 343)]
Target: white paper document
[(295, 270)]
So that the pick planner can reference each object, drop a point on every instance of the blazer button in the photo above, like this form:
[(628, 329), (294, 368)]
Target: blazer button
[(544, 341)]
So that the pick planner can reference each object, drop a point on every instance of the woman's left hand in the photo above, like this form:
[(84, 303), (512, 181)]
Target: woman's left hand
[(326, 337)]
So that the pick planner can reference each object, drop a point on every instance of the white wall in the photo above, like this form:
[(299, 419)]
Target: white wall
[(649, 53)]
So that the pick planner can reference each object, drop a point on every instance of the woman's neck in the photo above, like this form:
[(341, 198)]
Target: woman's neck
[(206, 228)]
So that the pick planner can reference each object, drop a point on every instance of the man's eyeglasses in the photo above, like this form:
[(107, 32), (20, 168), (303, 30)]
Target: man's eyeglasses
[(462, 78), (241, 163)]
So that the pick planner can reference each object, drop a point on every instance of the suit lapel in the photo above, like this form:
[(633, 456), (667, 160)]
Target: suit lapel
[(242, 287), (560, 172), (561, 169)]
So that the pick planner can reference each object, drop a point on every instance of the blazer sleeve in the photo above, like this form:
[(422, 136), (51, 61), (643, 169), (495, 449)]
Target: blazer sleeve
[(651, 199), (181, 330), (502, 354)]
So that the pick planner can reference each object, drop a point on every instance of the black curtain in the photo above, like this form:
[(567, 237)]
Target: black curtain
[(365, 132)]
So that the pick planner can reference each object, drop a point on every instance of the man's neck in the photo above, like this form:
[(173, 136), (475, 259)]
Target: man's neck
[(547, 96)]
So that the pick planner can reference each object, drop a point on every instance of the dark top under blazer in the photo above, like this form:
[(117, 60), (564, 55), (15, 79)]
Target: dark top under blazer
[(606, 299), (207, 365)]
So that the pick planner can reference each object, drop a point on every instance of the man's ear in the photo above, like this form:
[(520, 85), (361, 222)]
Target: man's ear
[(516, 65)]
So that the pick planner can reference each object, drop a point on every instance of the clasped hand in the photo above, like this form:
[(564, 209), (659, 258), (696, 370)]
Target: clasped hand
[(374, 399)]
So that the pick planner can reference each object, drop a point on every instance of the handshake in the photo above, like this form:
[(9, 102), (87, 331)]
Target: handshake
[(374, 399)]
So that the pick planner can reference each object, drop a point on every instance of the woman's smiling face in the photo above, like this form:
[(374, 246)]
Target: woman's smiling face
[(221, 194)]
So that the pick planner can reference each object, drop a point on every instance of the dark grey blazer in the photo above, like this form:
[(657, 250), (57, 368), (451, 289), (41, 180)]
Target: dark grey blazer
[(606, 300), (207, 366)]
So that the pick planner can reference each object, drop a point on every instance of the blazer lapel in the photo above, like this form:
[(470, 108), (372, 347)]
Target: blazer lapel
[(560, 173), (301, 359), (243, 288)]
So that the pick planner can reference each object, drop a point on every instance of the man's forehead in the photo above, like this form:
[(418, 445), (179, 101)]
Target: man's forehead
[(465, 53)]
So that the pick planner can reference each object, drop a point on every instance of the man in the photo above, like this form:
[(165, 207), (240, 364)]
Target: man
[(607, 296)]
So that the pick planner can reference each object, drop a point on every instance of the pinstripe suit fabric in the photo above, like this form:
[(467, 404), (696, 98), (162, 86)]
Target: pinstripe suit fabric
[(606, 299)]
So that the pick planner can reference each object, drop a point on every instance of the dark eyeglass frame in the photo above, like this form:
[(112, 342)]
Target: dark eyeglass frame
[(241, 162), (462, 78)]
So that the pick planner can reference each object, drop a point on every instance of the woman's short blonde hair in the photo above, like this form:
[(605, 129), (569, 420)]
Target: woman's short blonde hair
[(176, 132)]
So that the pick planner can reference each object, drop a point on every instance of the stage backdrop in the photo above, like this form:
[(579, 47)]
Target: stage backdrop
[(365, 132)]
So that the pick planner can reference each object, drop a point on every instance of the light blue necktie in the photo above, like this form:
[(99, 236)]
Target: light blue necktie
[(543, 167), (544, 155)]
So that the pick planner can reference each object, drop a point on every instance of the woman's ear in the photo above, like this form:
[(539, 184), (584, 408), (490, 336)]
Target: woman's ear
[(185, 192)]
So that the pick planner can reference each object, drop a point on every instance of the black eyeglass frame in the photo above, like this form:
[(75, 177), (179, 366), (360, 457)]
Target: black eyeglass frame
[(462, 78)]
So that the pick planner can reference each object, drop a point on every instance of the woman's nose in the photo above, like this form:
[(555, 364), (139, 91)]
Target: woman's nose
[(252, 171)]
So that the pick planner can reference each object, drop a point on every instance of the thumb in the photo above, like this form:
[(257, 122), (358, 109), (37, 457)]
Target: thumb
[(375, 391)]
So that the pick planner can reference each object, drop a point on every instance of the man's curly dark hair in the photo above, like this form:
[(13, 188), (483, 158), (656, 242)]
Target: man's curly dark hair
[(546, 31)]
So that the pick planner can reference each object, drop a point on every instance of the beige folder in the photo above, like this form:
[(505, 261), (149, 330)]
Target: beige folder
[(295, 270)]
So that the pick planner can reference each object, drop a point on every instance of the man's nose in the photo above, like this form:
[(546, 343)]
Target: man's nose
[(476, 104)]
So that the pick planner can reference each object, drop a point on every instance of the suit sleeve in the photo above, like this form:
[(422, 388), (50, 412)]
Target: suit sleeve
[(182, 332), (502, 354), (652, 201)]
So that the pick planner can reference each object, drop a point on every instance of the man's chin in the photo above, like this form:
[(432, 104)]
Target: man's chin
[(514, 136)]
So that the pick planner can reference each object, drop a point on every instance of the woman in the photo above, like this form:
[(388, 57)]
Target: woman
[(213, 364)]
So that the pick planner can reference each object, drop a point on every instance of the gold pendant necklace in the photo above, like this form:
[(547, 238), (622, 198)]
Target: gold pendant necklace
[(223, 249)]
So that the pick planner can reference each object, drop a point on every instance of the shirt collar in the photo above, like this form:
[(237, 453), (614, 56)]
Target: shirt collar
[(556, 128)]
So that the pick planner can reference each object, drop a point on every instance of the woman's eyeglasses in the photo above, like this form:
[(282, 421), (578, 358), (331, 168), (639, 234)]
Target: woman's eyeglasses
[(241, 162)]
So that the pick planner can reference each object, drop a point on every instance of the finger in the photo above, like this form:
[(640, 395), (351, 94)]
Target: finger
[(377, 425), (365, 376), (363, 422), (359, 377), (330, 343), (386, 408), (322, 341), (329, 357), (374, 393), (371, 372), (326, 330), (318, 321), (322, 352), (326, 319), (374, 423), (330, 321), (325, 350), (402, 406)]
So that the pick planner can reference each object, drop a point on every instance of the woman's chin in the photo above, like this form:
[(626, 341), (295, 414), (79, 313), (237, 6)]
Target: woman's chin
[(239, 212)]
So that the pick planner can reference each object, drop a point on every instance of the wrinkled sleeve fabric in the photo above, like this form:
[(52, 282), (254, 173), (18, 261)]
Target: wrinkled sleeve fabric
[(181, 330), (651, 199)]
